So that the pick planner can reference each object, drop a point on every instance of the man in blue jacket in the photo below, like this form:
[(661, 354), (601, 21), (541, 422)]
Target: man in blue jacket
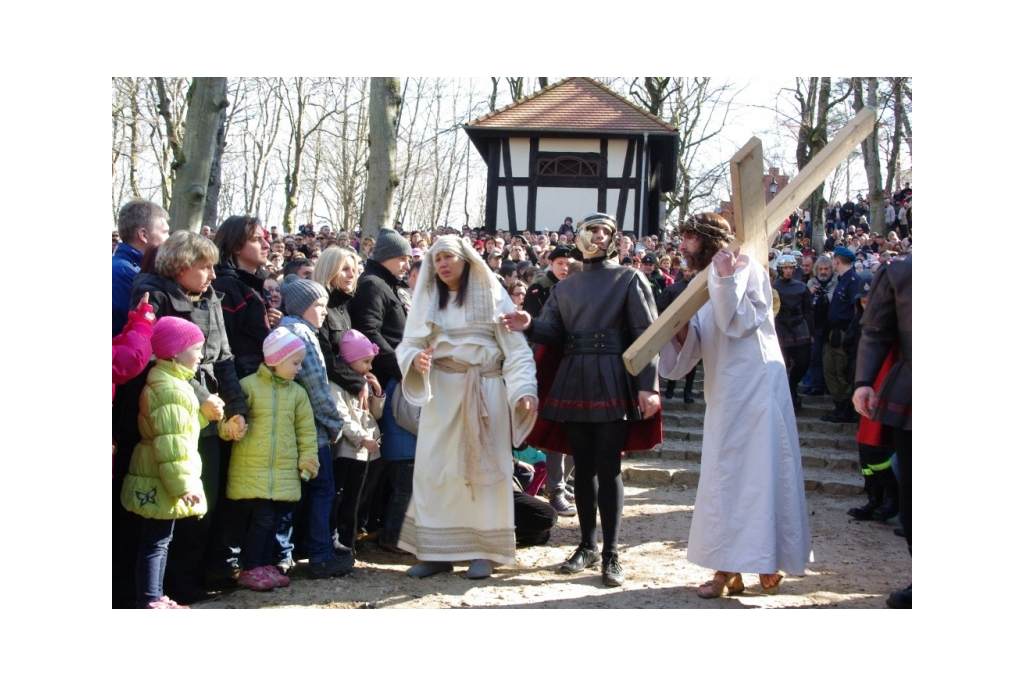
[(140, 223)]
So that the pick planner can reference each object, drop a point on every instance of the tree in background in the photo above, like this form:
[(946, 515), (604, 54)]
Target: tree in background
[(381, 181)]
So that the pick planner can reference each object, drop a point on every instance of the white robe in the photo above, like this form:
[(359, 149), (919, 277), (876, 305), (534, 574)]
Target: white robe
[(450, 519), (750, 515)]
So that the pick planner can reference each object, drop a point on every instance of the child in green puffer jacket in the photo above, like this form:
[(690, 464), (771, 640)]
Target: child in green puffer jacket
[(278, 448), (163, 482)]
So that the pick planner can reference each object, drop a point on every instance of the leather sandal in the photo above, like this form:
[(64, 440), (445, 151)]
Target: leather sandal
[(723, 583), (767, 585)]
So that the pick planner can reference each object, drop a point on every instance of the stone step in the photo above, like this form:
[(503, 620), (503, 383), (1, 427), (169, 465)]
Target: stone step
[(672, 418), (640, 471), (828, 450), (812, 457), (808, 438)]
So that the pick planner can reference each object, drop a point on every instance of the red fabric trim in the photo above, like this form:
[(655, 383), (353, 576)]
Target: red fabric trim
[(550, 435)]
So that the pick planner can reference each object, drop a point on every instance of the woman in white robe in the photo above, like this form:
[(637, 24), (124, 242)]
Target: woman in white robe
[(750, 515), (477, 385)]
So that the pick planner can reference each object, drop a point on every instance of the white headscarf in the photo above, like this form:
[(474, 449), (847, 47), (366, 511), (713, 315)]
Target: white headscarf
[(483, 299)]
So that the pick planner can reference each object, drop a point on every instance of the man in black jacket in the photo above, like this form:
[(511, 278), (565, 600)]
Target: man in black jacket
[(381, 301), (378, 310)]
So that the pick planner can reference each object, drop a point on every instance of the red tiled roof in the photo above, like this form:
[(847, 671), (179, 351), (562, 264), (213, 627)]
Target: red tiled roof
[(575, 104)]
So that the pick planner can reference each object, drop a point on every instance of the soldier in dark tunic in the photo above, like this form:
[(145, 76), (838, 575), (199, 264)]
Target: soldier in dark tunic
[(793, 323), (594, 317)]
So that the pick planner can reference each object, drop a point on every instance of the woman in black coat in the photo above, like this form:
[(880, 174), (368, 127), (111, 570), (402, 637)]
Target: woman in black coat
[(243, 246)]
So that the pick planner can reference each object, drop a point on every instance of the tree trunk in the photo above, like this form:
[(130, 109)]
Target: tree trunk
[(897, 134), (492, 102), (206, 101), (869, 148), (213, 188), (812, 138), (380, 180)]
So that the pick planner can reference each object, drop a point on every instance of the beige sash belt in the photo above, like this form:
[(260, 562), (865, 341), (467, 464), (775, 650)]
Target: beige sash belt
[(479, 463)]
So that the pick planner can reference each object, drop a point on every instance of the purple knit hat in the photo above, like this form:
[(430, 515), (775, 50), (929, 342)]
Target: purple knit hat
[(172, 336), (281, 344), (355, 346)]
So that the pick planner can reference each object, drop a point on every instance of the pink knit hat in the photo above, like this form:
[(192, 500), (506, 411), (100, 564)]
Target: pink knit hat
[(281, 344), (355, 346), (172, 336)]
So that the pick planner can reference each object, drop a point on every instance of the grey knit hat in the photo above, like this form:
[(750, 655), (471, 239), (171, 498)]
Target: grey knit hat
[(390, 244), (299, 294)]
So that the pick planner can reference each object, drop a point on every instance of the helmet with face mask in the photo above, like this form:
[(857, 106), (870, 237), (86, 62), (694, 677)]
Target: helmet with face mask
[(584, 237), (786, 260)]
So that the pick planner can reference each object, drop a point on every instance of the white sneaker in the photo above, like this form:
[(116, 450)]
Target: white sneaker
[(561, 505)]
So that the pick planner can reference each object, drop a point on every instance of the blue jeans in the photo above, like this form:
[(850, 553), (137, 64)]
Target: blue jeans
[(400, 476), (284, 547), (254, 523), (319, 496), (151, 561)]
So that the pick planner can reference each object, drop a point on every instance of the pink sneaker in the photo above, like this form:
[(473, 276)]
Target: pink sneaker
[(257, 579), (275, 573), (165, 602)]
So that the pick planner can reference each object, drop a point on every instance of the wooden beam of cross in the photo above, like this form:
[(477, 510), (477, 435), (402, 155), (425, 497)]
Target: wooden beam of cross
[(756, 225)]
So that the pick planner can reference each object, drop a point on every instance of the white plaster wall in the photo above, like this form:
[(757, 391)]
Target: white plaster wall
[(554, 204), (519, 152), (521, 194), (568, 145), (613, 202), (617, 157)]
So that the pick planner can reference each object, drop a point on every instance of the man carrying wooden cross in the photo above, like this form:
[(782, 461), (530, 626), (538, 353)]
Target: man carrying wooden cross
[(750, 515)]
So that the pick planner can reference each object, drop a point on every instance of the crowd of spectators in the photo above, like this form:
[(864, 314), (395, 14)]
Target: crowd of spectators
[(245, 303)]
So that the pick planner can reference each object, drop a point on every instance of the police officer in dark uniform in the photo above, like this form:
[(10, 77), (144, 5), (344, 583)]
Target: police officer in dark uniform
[(834, 361)]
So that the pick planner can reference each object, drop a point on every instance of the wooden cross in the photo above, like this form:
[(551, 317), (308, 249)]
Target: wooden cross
[(756, 225)]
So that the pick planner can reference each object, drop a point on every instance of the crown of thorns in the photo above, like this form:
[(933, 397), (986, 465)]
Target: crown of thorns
[(706, 229)]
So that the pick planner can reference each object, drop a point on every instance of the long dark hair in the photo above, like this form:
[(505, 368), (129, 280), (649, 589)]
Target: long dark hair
[(442, 287)]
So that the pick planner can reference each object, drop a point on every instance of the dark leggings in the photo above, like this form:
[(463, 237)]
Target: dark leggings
[(797, 360), (597, 451)]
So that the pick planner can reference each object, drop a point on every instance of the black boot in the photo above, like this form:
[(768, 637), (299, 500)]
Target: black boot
[(831, 416), (688, 386), (874, 490), (670, 389), (890, 505), (847, 414)]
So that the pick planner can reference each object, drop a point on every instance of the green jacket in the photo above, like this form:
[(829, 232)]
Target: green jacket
[(165, 464), (280, 441)]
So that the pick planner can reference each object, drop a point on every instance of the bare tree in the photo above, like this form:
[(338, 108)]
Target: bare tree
[(169, 101), (207, 99), (381, 181), (698, 108), (869, 148), (901, 101), (815, 104), (308, 105)]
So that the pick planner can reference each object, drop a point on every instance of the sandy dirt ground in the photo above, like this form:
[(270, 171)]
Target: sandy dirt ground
[(856, 565)]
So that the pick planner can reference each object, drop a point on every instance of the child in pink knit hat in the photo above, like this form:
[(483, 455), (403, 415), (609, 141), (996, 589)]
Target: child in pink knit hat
[(267, 462), (163, 481), (360, 435)]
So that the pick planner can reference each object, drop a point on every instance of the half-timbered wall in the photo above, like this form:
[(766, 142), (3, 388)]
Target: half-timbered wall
[(536, 182)]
